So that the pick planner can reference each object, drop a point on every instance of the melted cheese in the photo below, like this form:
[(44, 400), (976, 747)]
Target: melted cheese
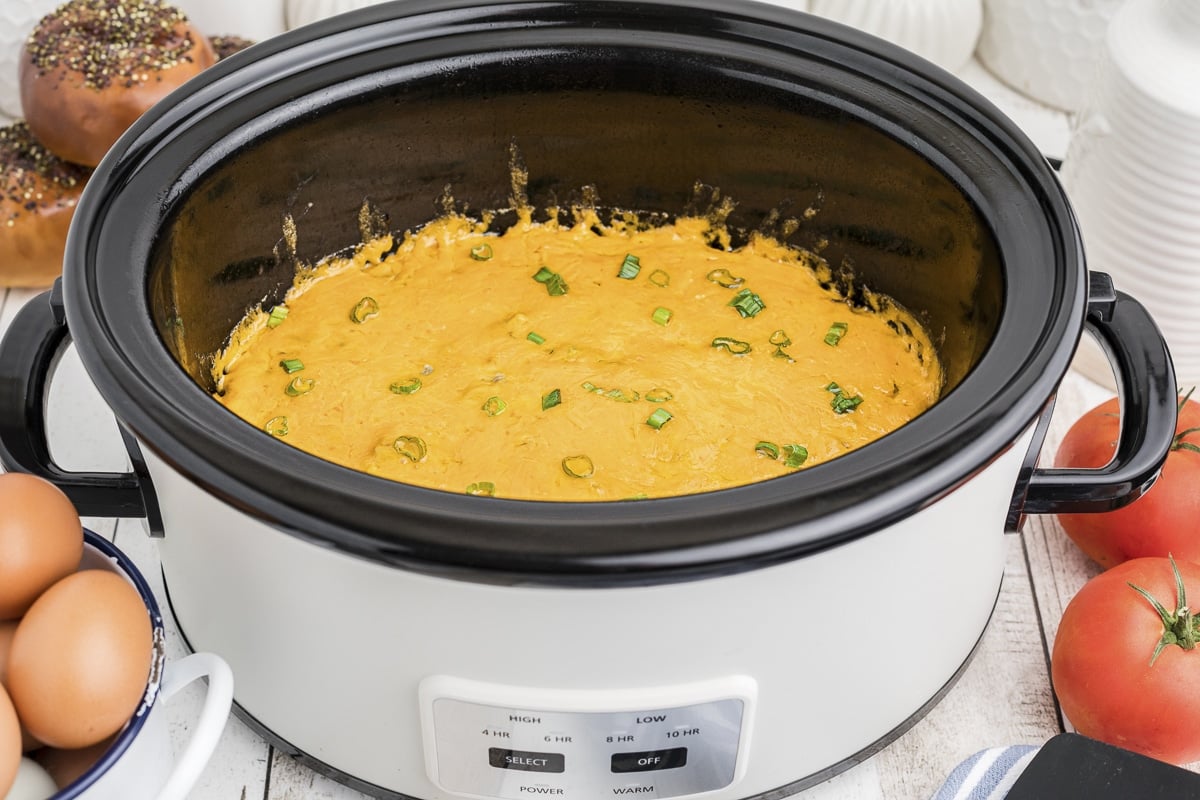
[(480, 418)]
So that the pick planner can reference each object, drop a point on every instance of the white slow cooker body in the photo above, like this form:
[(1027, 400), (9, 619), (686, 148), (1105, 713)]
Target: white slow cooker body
[(842, 647)]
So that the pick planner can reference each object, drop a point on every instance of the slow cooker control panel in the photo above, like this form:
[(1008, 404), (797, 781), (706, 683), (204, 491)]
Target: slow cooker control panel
[(486, 740)]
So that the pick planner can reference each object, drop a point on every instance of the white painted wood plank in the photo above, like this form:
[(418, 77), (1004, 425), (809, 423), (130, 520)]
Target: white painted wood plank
[(82, 431), (291, 781), (860, 783), (13, 301)]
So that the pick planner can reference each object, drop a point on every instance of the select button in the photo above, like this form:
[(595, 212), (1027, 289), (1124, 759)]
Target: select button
[(526, 760), (650, 760)]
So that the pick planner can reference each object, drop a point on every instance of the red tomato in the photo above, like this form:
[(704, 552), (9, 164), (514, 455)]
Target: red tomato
[(1110, 683), (1159, 523)]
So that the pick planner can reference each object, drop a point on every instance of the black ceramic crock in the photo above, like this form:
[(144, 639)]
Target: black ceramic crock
[(922, 189)]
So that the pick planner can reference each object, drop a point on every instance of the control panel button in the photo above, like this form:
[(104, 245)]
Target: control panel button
[(526, 760), (650, 760), (495, 742)]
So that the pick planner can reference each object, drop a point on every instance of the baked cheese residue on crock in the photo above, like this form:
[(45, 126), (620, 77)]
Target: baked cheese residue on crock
[(575, 361)]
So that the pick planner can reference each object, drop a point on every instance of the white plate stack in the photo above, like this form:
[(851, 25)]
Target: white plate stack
[(1132, 172)]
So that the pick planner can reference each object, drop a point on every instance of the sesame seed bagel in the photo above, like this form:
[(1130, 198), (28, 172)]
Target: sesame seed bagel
[(90, 68), (225, 46), (38, 193)]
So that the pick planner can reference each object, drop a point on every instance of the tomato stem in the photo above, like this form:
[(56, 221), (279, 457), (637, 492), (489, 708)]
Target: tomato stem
[(1178, 443), (1179, 626)]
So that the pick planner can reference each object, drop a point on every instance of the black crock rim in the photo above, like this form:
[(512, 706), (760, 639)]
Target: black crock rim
[(612, 543)]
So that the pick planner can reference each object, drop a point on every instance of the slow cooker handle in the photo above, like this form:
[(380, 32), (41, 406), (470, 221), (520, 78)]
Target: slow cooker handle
[(29, 353), (1147, 391)]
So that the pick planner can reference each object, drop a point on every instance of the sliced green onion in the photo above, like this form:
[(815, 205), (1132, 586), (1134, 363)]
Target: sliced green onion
[(735, 346), (638, 496), (843, 404), (661, 315), (276, 426), (725, 278), (494, 406), (659, 418), (781, 340), (481, 252), (794, 455), (620, 395), (551, 400), (300, 386), (278, 315), (482, 489), (660, 278), (555, 285), (409, 386), (630, 267), (768, 449), (411, 447), (836, 331), (364, 309), (535, 337), (659, 396), (747, 303), (578, 466), (291, 365)]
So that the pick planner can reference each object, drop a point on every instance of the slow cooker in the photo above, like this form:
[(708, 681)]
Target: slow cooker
[(414, 643)]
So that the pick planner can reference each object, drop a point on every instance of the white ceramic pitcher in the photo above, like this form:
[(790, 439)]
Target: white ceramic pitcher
[(17, 19), (1048, 49), (941, 31)]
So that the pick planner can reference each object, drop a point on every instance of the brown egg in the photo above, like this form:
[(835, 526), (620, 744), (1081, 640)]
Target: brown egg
[(41, 540), (80, 659), (10, 743), (7, 629)]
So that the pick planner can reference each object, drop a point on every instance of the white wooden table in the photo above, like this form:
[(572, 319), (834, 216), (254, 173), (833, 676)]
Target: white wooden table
[(1003, 698)]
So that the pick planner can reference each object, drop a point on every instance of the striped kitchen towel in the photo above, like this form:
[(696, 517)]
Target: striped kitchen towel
[(987, 775)]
